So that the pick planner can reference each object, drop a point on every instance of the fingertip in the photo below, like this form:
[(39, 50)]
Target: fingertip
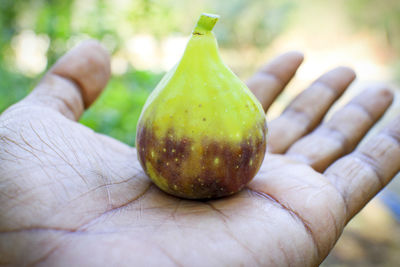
[(284, 66), (291, 58), (380, 90), (340, 78), (295, 55), (344, 68), (294, 58), (88, 65), (381, 97), (386, 93)]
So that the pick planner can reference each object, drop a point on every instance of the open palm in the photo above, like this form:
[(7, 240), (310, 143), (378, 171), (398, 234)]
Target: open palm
[(73, 197)]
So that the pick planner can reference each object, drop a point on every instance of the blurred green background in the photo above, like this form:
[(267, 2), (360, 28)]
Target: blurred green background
[(145, 38)]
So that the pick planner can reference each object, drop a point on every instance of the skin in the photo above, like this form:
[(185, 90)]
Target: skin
[(73, 197)]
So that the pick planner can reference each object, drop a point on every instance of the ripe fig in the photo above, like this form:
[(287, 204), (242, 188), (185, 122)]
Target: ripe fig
[(201, 133)]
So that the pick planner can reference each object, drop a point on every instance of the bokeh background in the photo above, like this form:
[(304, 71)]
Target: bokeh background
[(147, 37)]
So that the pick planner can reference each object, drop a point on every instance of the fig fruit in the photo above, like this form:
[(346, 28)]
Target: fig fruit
[(201, 133)]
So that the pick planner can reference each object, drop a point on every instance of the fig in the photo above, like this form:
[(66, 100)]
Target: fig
[(201, 133)]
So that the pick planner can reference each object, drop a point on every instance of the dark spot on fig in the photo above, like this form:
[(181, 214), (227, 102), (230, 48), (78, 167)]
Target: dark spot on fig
[(222, 167)]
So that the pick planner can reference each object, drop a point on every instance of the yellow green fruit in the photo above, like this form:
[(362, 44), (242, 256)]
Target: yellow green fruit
[(202, 133)]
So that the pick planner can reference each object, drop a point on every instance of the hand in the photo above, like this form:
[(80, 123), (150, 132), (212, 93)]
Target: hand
[(73, 197)]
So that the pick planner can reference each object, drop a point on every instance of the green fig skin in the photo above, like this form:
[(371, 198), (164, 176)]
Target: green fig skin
[(202, 133)]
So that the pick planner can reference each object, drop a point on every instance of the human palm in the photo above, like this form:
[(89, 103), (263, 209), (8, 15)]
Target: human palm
[(73, 197)]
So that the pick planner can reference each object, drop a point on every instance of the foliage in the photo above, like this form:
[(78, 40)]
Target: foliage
[(382, 16), (64, 23), (13, 87), (113, 22)]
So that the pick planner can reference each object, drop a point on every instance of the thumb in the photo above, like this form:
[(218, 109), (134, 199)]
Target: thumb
[(75, 81)]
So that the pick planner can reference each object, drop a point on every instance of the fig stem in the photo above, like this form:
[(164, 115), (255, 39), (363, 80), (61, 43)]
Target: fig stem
[(205, 23)]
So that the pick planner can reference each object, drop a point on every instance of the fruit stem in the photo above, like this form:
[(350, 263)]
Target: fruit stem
[(205, 23)]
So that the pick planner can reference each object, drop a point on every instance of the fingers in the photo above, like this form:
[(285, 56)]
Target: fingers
[(75, 81), (271, 79), (360, 175), (305, 112), (343, 131)]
